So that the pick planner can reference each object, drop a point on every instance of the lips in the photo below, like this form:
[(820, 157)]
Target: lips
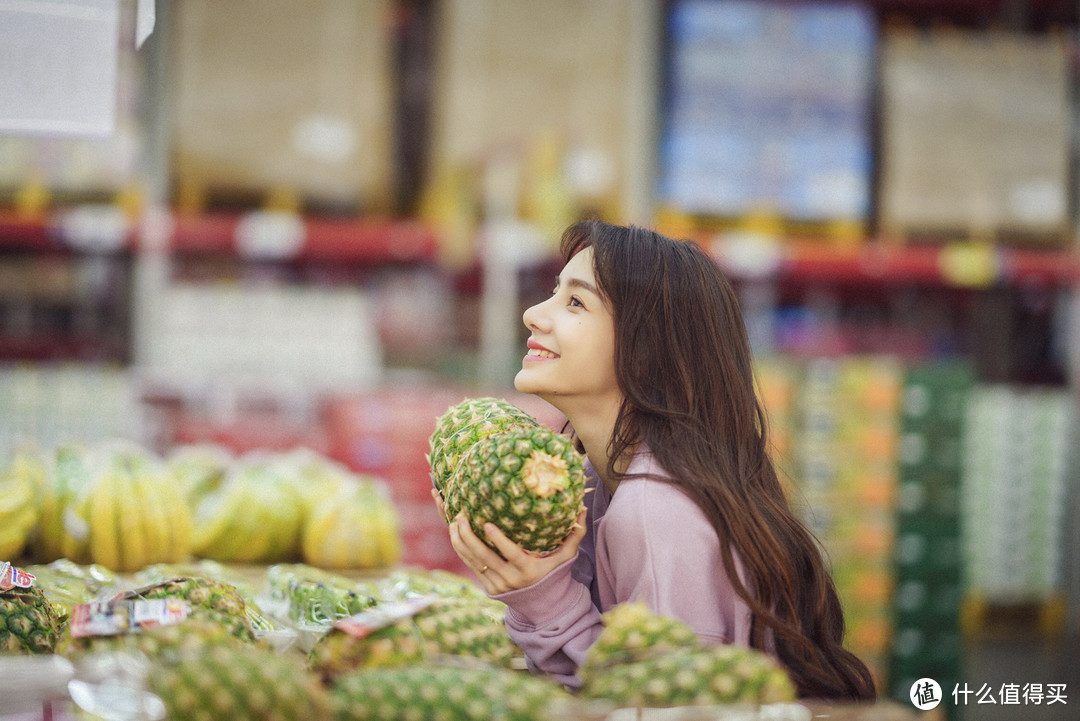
[(538, 352)]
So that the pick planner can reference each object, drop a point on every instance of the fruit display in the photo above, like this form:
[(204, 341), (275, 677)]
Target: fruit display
[(461, 693), (66, 583), (355, 527), (29, 624), (313, 597), (123, 507), (527, 480), (20, 480), (255, 516), (236, 681), (642, 659), (446, 627), (112, 504)]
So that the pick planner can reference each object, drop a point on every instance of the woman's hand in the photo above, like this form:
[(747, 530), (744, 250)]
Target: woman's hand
[(520, 568)]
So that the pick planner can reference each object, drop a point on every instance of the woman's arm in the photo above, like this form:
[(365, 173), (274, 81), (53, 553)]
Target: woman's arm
[(554, 622)]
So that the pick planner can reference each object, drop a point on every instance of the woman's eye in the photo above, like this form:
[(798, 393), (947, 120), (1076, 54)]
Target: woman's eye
[(574, 301)]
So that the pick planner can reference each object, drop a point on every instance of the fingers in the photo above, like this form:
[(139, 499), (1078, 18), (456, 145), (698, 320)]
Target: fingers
[(438, 503), (484, 562)]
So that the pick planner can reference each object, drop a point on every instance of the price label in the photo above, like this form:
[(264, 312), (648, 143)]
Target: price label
[(970, 265), (270, 235), (95, 228)]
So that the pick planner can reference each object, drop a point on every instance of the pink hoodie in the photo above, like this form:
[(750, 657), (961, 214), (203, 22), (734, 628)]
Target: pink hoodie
[(649, 542)]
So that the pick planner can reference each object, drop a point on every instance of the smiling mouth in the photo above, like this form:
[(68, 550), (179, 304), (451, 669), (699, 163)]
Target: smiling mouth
[(538, 353)]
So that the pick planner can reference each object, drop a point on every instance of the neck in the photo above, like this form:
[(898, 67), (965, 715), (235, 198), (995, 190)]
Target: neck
[(594, 425)]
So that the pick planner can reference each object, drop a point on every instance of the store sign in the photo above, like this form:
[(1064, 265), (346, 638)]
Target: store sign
[(58, 65)]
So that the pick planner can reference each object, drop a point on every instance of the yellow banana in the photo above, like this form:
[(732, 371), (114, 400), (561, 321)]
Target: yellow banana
[(104, 535), (180, 523), (154, 519), (15, 531)]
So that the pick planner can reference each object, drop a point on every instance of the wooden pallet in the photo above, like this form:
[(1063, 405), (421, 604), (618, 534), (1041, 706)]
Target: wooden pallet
[(989, 618)]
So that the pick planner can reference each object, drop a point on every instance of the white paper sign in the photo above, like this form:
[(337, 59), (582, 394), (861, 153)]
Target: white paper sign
[(58, 62)]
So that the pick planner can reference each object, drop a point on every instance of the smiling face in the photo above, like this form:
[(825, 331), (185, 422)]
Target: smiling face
[(571, 355)]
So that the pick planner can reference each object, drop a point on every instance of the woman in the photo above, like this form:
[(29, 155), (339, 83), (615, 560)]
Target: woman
[(643, 347)]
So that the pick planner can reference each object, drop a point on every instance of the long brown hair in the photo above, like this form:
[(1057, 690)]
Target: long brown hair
[(683, 363)]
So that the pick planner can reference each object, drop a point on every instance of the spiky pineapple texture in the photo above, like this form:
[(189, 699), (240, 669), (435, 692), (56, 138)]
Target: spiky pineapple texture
[(210, 598), (644, 659), (238, 682), (462, 425), (448, 627), (192, 633), (529, 483), (632, 632), (29, 623), (430, 692)]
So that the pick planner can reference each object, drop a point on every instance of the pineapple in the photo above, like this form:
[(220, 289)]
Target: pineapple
[(457, 430), (429, 692), (152, 641), (211, 681), (705, 676), (448, 627), (645, 659), (405, 583), (29, 624), (530, 483), (210, 598), (310, 596), (67, 583), (632, 632)]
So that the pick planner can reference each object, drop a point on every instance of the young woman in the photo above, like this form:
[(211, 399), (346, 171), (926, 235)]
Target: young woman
[(643, 347)]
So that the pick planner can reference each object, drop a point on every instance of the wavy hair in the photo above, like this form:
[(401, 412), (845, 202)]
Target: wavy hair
[(684, 365)]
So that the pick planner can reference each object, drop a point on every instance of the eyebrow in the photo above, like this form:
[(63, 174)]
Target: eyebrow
[(579, 283)]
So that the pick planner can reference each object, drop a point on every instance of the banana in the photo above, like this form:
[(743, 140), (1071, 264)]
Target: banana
[(104, 535), (213, 518), (180, 523), (15, 531), (133, 546), (154, 525), (316, 532)]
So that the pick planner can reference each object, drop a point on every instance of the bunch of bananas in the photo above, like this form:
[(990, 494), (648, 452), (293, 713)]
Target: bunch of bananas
[(19, 484), (114, 505)]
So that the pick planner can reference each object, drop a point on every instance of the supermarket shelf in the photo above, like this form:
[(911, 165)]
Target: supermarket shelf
[(262, 235), (952, 264), (364, 240), (18, 233), (256, 235)]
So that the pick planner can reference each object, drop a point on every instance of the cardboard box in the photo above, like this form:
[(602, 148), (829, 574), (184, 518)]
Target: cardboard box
[(278, 94), (975, 136)]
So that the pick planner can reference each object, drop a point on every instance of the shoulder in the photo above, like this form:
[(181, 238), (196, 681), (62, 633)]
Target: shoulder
[(648, 483), (653, 505)]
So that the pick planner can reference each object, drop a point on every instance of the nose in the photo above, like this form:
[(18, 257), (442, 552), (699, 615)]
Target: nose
[(536, 317)]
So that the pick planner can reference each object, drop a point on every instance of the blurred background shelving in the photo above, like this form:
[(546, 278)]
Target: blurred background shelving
[(318, 223)]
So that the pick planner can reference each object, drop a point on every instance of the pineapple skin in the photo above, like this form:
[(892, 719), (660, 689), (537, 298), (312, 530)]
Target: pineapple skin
[(431, 692), (29, 624), (531, 484), (645, 659), (240, 682), (458, 627), (463, 425)]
